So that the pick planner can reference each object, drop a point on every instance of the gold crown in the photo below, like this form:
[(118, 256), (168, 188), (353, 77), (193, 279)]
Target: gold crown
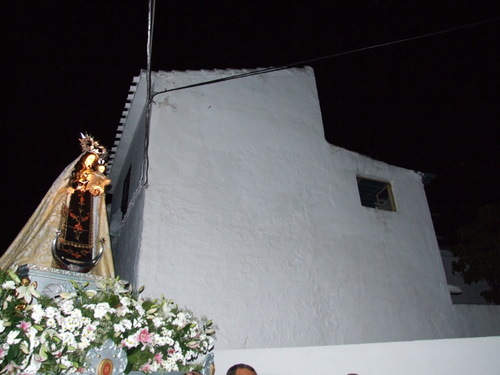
[(89, 144)]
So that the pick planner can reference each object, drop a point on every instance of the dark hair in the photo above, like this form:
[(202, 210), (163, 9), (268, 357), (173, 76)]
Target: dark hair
[(232, 369)]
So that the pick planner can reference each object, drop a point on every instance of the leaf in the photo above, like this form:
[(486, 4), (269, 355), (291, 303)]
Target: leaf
[(24, 348), (43, 352), (13, 275), (12, 353)]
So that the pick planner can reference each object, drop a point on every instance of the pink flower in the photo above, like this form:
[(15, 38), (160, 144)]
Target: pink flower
[(10, 368), (146, 368), (158, 357), (24, 326), (144, 337)]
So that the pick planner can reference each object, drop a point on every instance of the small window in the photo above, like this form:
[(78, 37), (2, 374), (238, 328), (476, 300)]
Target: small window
[(376, 194), (126, 192)]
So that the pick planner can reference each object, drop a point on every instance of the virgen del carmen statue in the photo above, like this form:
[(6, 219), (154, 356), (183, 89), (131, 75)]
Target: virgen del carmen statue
[(69, 229), (63, 311)]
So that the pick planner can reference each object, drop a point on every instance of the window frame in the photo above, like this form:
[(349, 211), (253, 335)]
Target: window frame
[(370, 193)]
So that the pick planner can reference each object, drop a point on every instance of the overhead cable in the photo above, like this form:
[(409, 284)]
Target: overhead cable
[(149, 90), (304, 62)]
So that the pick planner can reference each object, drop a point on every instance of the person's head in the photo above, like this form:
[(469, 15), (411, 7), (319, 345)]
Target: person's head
[(241, 369), (90, 160), (101, 168)]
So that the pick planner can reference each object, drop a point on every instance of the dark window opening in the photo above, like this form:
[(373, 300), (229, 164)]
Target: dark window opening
[(125, 192), (376, 194)]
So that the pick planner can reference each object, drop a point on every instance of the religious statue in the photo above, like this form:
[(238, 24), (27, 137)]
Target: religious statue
[(69, 229)]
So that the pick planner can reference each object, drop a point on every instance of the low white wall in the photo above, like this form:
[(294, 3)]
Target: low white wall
[(478, 320), (443, 357)]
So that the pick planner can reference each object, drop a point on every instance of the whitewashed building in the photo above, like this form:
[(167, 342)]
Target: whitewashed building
[(232, 203)]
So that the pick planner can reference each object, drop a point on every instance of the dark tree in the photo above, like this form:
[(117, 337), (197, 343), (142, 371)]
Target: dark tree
[(478, 251)]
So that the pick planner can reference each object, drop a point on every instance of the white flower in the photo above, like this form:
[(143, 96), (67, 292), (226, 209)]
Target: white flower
[(9, 284), (170, 365), (126, 323), (32, 336), (118, 328), (51, 323), (69, 365), (4, 349), (166, 307), (68, 338), (11, 337), (158, 322), (51, 312), (85, 321), (122, 310), (102, 309), (125, 301), (66, 306), (84, 343), (163, 340), (190, 355), (2, 326), (72, 322), (101, 284), (130, 341), (139, 309), (166, 332), (33, 366), (90, 306), (119, 287), (137, 323), (180, 320), (88, 332), (37, 313), (27, 292)]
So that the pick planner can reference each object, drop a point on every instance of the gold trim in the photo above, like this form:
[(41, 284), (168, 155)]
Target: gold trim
[(105, 367)]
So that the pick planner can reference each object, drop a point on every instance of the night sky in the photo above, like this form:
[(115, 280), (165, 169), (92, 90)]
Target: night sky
[(430, 104)]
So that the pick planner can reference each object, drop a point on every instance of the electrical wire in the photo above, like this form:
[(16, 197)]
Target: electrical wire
[(304, 62), (151, 94), (149, 91)]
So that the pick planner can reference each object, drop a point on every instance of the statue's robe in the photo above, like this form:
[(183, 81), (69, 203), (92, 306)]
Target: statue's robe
[(33, 244)]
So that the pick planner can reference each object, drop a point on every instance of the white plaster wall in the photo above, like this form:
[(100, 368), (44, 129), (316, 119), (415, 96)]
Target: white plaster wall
[(126, 231), (443, 357), (127, 245), (253, 219)]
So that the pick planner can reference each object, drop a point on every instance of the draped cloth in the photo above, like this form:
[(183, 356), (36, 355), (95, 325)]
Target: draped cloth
[(33, 244)]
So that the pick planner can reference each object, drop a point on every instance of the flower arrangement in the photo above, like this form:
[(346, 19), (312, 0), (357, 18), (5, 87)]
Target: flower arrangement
[(53, 335)]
